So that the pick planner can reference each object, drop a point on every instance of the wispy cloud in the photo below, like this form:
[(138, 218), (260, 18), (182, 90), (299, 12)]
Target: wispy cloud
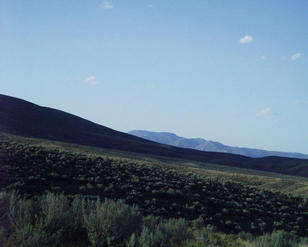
[(264, 57), (150, 5), (246, 39), (106, 5), (264, 112), (301, 101), (91, 80), (296, 56)]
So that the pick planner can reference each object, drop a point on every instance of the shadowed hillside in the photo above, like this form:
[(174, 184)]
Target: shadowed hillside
[(23, 118)]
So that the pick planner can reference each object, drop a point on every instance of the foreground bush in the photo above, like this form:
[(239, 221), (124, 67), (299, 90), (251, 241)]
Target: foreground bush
[(277, 239), (58, 220), (51, 220), (171, 233), (111, 223)]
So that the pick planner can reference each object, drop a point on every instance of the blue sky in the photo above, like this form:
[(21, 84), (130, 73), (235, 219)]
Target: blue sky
[(229, 71)]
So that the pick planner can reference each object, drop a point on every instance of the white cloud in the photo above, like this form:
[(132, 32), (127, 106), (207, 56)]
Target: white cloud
[(150, 5), (264, 112), (106, 5), (91, 80), (246, 39), (264, 57), (296, 56)]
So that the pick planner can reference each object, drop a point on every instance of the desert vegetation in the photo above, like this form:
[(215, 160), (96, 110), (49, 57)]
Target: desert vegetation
[(159, 191), (58, 220)]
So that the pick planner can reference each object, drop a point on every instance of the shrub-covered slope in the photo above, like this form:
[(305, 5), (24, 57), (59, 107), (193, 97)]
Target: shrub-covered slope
[(160, 191)]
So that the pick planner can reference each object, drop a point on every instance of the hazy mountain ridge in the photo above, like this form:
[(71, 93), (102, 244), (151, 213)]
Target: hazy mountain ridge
[(209, 146)]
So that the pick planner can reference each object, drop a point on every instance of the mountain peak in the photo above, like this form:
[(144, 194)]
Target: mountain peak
[(209, 146)]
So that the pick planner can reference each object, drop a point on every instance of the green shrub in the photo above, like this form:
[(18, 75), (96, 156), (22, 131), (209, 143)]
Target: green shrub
[(133, 241), (48, 221), (276, 239), (198, 223), (246, 236), (4, 221), (219, 240), (110, 223), (174, 232), (20, 211), (151, 222)]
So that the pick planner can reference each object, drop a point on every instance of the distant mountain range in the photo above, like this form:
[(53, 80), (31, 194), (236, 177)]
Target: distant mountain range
[(23, 118), (209, 146)]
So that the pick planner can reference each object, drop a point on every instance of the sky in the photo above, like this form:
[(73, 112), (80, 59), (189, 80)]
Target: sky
[(229, 71)]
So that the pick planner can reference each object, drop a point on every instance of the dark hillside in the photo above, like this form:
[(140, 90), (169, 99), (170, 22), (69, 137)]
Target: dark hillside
[(23, 118)]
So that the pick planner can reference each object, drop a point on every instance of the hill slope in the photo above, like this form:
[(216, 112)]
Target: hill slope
[(23, 118), (210, 146), (157, 190)]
